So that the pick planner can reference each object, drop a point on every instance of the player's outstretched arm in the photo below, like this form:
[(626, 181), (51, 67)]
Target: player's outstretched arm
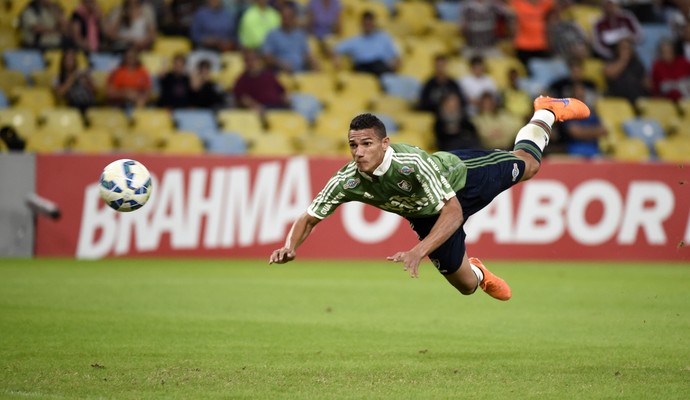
[(298, 233), (449, 220)]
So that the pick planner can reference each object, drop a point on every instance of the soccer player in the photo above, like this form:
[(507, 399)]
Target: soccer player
[(435, 192)]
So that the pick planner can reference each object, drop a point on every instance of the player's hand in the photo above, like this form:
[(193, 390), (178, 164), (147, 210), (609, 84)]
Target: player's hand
[(281, 256), (410, 260)]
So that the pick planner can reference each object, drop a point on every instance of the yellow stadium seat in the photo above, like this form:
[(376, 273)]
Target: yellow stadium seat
[(613, 111), (93, 141), (182, 142), (271, 145), (499, 67), (169, 45), (358, 82), (64, 119), (23, 120), (53, 58), (593, 69), (417, 121), (584, 15), (458, 67), (3, 147), (316, 145), (356, 92), (108, 5), (232, 67), (675, 149), (415, 138), (630, 150), (319, 84), (662, 110), (246, 123), (448, 32), (286, 123), (109, 118), (10, 79), (418, 16), (155, 63), (68, 6), (8, 38), (684, 106), (17, 6), (353, 12), (138, 142), (332, 124), (45, 142), (155, 122), (35, 99), (43, 79), (287, 80), (391, 105)]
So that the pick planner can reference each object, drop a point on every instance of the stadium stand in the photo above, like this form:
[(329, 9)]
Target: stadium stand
[(230, 143)]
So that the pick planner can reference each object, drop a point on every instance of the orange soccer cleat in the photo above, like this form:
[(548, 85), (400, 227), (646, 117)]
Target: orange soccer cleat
[(564, 109), (492, 285)]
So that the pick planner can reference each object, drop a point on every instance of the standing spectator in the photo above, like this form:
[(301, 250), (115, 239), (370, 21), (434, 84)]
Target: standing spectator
[(74, 85), (175, 86), (479, 26), (86, 26), (565, 37), (176, 18), (132, 24), (495, 125), (129, 85), (41, 25), (323, 18), (614, 25), (625, 74), (286, 48), (372, 51), (258, 88), (670, 73), (205, 93), (213, 27), (438, 86), (530, 28), (476, 83), (256, 22), (453, 128)]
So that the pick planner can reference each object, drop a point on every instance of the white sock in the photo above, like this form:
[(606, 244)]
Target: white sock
[(538, 130), (479, 273), (546, 116)]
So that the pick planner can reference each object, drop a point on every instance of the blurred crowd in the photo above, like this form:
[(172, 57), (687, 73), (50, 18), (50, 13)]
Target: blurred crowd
[(472, 67)]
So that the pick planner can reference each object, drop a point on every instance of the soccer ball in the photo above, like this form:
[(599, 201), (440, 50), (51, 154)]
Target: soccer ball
[(125, 185)]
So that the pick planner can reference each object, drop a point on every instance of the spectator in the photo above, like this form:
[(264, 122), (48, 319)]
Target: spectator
[(614, 25), (476, 83), (670, 73), (131, 25), (438, 86), (453, 128), (372, 51), (580, 138), (175, 86), (213, 27), (75, 85), (129, 85), (496, 126), (256, 22), (41, 25), (86, 26), (258, 88), (323, 18), (565, 37), (176, 18), (286, 48), (205, 93), (479, 27), (516, 100), (625, 74), (530, 28), (565, 87)]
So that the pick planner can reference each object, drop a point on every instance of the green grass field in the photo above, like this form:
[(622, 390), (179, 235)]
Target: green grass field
[(185, 329)]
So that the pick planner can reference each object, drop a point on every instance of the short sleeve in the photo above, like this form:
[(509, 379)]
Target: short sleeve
[(330, 197)]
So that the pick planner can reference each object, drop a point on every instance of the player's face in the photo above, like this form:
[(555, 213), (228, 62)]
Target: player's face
[(367, 149)]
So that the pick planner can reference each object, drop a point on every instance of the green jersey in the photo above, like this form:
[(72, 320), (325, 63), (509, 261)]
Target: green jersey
[(409, 182)]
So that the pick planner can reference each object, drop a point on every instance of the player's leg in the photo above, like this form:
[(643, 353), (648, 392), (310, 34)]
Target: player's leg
[(473, 274)]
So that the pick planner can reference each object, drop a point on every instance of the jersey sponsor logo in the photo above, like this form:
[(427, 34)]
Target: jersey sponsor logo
[(405, 185), (515, 172), (406, 170), (351, 183)]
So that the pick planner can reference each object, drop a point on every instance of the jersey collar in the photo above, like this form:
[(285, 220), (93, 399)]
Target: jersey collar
[(383, 167)]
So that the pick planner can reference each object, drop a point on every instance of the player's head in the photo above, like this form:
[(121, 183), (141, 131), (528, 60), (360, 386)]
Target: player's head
[(368, 142)]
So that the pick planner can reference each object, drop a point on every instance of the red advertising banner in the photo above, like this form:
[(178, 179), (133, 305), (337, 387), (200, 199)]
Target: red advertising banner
[(216, 206)]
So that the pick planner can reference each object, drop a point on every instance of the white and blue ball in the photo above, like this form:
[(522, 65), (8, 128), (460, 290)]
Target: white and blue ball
[(125, 185)]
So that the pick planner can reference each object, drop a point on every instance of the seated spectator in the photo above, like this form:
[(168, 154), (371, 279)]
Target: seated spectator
[(516, 100), (453, 128), (372, 51), (286, 47), (42, 25), (175, 86), (565, 87), (530, 28), (580, 138), (255, 23), (565, 37), (479, 21), (670, 73), (476, 83), (323, 18), (213, 27), (176, 18), (614, 25), (129, 85), (438, 86), (131, 25), (205, 92), (75, 85), (258, 88), (86, 26), (625, 74), (496, 126)]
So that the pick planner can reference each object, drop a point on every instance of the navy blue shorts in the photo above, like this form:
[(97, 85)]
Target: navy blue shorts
[(489, 172)]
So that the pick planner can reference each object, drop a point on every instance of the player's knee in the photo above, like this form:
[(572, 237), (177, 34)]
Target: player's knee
[(531, 168)]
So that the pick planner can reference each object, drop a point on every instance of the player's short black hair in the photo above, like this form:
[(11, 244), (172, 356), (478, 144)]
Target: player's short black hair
[(367, 121)]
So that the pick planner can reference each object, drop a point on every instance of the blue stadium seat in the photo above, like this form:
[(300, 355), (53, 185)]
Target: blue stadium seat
[(547, 70), (406, 87), (25, 61), (388, 122), (647, 130), (652, 34), (4, 103), (227, 143), (306, 104), (449, 10), (193, 119), (104, 61)]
